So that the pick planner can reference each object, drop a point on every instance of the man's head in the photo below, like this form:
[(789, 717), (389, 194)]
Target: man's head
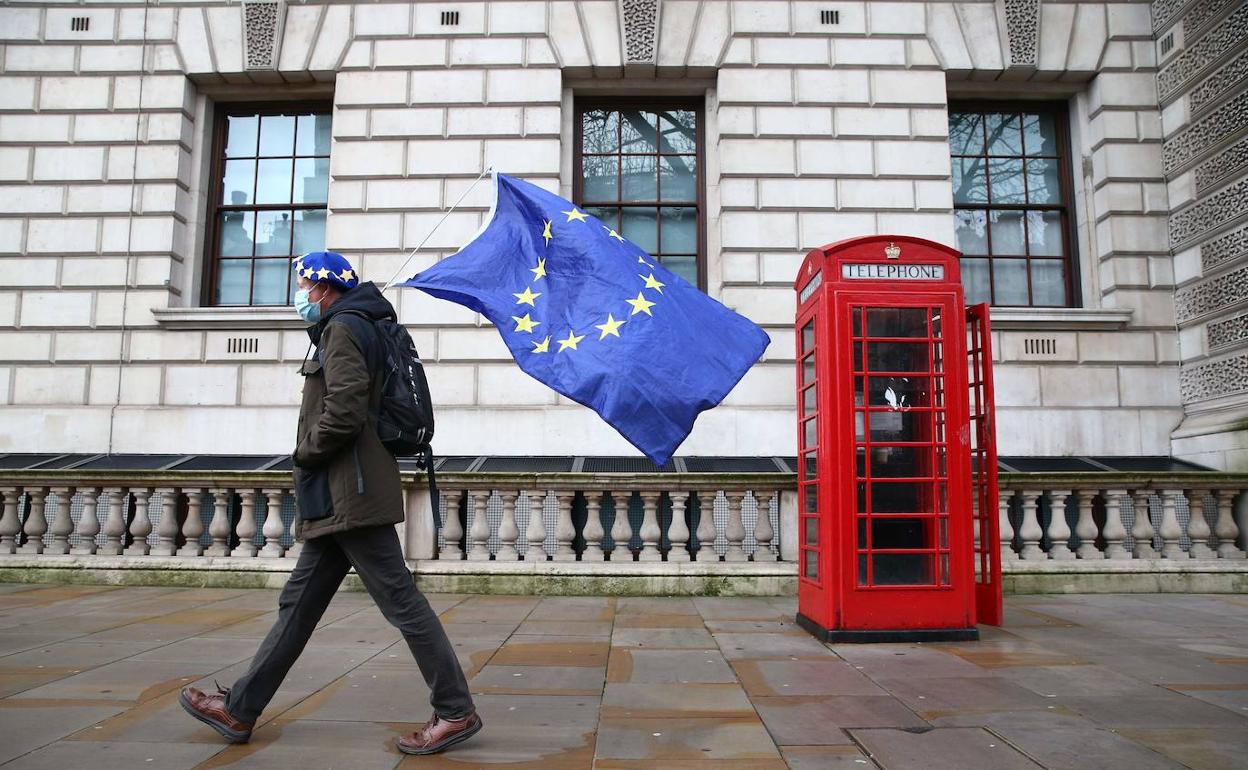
[(322, 277)]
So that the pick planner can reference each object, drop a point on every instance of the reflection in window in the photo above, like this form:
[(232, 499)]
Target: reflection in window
[(270, 199), (638, 173), (1010, 210)]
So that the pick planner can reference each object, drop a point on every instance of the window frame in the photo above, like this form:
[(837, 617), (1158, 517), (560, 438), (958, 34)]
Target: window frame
[(581, 105), (212, 229), (1060, 113)]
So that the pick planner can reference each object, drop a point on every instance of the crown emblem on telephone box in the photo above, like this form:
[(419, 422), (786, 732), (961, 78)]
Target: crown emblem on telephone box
[(892, 251)]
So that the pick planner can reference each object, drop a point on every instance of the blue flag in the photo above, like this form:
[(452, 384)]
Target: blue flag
[(594, 317)]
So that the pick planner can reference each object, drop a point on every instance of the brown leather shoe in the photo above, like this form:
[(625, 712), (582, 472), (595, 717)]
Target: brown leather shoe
[(440, 734), (210, 709)]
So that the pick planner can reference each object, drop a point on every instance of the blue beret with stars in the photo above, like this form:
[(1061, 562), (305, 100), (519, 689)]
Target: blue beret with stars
[(327, 266)]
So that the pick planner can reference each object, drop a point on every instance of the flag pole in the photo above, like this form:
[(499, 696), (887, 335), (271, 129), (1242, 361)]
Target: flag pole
[(432, 230)]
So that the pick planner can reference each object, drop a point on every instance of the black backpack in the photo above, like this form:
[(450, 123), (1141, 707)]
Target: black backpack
[(405, 408)]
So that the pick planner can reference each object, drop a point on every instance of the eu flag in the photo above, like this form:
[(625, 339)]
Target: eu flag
[(594, 317)]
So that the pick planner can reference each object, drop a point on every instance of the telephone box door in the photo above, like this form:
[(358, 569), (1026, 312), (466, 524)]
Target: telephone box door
[(984, 499)]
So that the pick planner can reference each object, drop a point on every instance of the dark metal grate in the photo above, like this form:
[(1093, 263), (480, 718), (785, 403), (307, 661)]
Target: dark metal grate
[(454, 464), (130, 462), (1149, 464), (15, 462), (1049, 464), (730, 465), (624, 465), (526, 465), (65, 461), (225, 463)]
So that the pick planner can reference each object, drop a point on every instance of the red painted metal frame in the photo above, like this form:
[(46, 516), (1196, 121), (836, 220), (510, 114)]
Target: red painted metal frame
[(988, 605)]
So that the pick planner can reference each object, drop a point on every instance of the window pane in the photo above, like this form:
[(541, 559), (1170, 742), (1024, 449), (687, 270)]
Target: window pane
[(309, 231), (640, 182), (1009, 281), (272, 279), (969, 182), (312, 135), (1006, 177), (678, 131), (240, 139), (600, 130), (679, 178), (975, 280), (1048, 282), (1044, 234), (238, 185), (897, 322), (889, 569), (1043, 185), (685, 267), (608, 215), (680, 230), (311, 180), (642, 228), (898, 357), (966, 133), (273, 233), (237, 229), (971, 228), (601, 178), (273, 181), (277, 135), (637, 131), (233, 281), (1004, 136), (1007, 232), (1039, 134)]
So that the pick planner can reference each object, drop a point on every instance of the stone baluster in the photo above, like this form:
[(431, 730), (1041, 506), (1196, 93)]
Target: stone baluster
[(141, 527), (565, 531), (764, 533), (452, 529), (273, 528), (88, 522), (246, 527), (479, 531), (651, 534), (736, 528), (1225, 528), (1198, 528), (593, 526), (621, 530), (535, 534), (1059, 529), (1170, 530), (169, 527), (10, 524), (1085, 527), (1142, 527), (117, 501), (508, 532), (62, 525), (1114, 532), (220, 527), (678, 532), (36, 525), (707, 532), (1030, 530), (1003, 524), (193, 527)]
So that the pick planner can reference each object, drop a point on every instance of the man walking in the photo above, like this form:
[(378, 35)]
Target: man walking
[(349, 499)]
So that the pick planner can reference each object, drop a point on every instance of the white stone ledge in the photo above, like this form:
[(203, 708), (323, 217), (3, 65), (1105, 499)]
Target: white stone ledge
[(217, 318), (1078, 319), (607, 569), (1126, 566)]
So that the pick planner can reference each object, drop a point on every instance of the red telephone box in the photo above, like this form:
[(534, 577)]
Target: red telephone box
[(897, 470)]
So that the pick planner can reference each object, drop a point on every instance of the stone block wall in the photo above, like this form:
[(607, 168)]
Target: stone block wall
[(814, 132)]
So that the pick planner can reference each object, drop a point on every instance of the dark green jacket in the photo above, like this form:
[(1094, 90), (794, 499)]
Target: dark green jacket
[(344, 477)]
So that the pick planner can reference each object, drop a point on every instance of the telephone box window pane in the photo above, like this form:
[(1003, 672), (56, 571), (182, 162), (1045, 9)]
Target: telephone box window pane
[(902, 569), (1004, 136), (899, 356), (808, 370), (809, 400), (1006, 176), (944, 533), (944, 569), (1048, 282), (970, 183), (861, 497), (860, 461), (900, 392), (808, 337), (899, 426), (237, 228), (1009, 281), (971, 228), (811, 531), (897, 322), (857, 316), (812, 465), (896, 533), (898, 496), (862, 570), (812, 499), (897, 462), (240, 139), (810, 562), (811, 433)]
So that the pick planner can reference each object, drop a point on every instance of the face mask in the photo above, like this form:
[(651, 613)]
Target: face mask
[(307, 309)]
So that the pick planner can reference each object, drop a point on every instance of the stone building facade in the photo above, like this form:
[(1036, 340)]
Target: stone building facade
[(815, 121)]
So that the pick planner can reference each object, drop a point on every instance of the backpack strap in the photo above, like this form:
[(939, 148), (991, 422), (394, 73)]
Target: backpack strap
[(357, 322), (434, 497)]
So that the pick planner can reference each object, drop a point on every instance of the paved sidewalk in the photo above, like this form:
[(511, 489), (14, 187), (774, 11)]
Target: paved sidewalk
[(89, 677)]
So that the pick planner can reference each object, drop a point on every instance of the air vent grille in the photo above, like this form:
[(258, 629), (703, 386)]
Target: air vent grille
[(240, 345), (829, 17), (1167, 44), (80, 23), (450, 18), (1040, 346)]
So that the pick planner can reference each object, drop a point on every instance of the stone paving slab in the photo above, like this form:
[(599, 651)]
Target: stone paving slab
[(89, 677)]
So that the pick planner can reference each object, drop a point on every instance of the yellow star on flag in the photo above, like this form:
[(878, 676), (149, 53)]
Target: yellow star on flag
[(525, 324), (613, 234), (652, 282), (576, 215), (539, 272), (543, 346), (526, 297), (546, 233), (322, 273), (643, 261), (612, 326), (571, 341), (641, 305)]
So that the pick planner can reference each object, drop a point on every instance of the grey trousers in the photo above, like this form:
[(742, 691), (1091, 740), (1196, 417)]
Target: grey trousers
[(323, 563)]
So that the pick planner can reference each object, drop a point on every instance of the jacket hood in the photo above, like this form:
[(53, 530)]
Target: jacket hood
[(365, 298)]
